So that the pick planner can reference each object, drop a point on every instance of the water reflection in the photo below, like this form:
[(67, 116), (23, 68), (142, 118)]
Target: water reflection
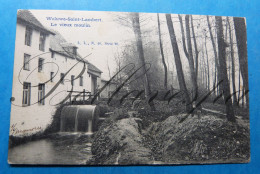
[(61, 148)]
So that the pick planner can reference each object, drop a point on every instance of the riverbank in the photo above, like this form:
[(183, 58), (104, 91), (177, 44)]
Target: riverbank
[(138, 136), (120, 143), (123, 139)]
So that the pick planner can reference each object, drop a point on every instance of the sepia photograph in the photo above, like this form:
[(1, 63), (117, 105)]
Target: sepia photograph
[(125, 88)]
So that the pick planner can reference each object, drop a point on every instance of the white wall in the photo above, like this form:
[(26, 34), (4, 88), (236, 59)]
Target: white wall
[(39, 116)]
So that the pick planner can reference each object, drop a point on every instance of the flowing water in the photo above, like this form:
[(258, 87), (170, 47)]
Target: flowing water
[(72, 145), (79, 118), (60, 148)]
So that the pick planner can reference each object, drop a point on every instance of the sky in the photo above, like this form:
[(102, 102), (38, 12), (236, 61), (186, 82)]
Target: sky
[(110, 30), (111, 27), (104, 31)]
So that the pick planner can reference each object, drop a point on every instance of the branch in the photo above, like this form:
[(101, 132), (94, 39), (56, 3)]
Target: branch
[(183, 37)]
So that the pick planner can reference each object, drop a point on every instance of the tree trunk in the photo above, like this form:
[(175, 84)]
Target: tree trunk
[(202, 73), (178, 63), (233, 63), (109, 72), (183, 37), (189, 55), (191, 60), (195, 47), (161, 48), (139, 45), (214, 80), (223, 70), (207, 62), (204, 70), (243, 96), (216, 56), (240, 28), (239, 85)]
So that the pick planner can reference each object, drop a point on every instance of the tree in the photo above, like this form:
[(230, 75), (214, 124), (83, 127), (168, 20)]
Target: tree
[(240, 30), (207, 56), (239, 83), (140, 50), (223, 69), (189, 54), (108, 68), (161, 49), (204, 70), (195, 47), (215, 54), (232, 63), (178, 63)]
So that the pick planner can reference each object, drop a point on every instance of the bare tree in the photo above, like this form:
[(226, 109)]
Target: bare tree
[(215, 54), (204, 70), (223, 69), (239, 83), (162, 53), (140, 50), (207, 57), (189, 53), (233, 62), (108, 68), (118, 61), (240, 28), (178, 63), (132, 21), (195, 47)]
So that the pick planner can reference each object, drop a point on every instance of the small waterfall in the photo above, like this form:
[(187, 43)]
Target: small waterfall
[(76, 120), (79, 118), (90, 127)]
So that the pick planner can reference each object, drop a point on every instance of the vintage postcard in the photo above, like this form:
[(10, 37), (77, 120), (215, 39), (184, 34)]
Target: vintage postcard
[(119, 88)]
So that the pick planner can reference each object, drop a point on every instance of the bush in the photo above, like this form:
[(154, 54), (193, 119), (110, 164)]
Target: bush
[(54, 126)]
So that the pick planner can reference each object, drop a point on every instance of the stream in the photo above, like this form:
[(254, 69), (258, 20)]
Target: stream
[(56, 149)]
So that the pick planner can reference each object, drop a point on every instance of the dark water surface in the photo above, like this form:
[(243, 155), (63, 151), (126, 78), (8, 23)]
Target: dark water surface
[(60, 148)]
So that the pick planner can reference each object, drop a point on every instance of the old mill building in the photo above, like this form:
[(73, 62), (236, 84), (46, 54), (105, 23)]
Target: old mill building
[(43, 59)]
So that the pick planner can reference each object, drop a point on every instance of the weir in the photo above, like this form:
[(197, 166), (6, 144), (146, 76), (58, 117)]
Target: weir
[(79, 118)]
